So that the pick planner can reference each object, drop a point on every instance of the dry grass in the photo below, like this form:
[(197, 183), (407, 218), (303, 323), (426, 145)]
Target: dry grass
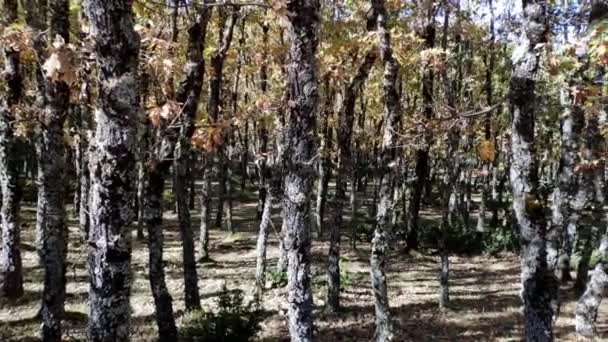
[(484, 291)]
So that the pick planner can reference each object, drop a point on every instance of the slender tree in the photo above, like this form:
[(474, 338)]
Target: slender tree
[(113, 169), (392, 111), (302, 22), (51, 155), (427, 33), (189, 94), (11, 276), (344, 133)]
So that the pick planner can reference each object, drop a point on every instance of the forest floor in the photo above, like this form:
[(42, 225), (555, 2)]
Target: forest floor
[(485, 305)]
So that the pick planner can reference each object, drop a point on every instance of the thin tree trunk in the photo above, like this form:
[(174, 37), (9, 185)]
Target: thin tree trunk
[(260, 270), (113, 169), (154, 184), (11, 276), (587, 196), (85, 135), (588, 304), (392, 112), (324, 166), (265, 191), (203, 248), (225, 32), (302, 101), (51, 227), (344, 135), (562, 224), (189, 94), (422, 155)]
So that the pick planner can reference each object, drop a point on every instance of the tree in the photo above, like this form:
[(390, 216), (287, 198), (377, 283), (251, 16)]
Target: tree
[(11, 276), (392, 111), (302, 20), (50, 221), (189, 94), (344, 133), (112, 169), (539, 284), (423, 165)]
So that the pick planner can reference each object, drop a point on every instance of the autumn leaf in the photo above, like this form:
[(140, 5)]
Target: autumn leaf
[(486, 151)]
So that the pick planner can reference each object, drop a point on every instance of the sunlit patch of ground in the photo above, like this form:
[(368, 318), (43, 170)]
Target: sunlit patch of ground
[(485, 305)]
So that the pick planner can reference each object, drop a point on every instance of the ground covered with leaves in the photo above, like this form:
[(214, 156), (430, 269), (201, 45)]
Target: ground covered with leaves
[(485, 305)]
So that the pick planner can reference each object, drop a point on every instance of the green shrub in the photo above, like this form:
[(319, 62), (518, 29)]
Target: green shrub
[(364, 232), (500, 240), (467, 240), (168, 201), (346, 278), (278, 279), (234, 321)]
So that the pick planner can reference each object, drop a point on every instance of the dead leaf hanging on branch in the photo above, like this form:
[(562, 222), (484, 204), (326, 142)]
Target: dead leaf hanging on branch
[(166, 113), (486, 151), (209, 137)]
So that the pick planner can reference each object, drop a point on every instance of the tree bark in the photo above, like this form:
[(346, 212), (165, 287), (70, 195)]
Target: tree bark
[(11, 276), (113, 169), (189, 94), (422, 155), (562, 224), (225, 33), (539, 284), (205, 200), (51, 155), (343, 172), (588, 304), (154, 184), (302, 101), (392, 112), (324, 165)]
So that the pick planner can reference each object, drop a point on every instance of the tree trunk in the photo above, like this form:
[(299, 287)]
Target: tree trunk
[(203, 248), (324, 166), (302, 101), (487, 167), (344, 135), (51, 227), (214, 105), (113, 169), (588, 196), (154, 184), (539, 284), (189, 94), (260, 270), (85, 135), (11, 276), (588, 304), (562, 224), (392, 113), (422, 155)]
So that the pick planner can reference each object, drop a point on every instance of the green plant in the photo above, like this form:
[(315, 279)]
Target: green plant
[(235, 320), (346, 278), (278, 279), (364, 232), (168, 200)]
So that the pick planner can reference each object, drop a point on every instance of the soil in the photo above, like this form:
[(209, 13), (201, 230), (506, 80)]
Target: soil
[(484, 306)]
